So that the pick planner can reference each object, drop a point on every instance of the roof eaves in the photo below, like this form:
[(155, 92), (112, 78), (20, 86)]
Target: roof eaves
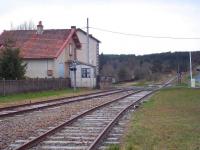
[(66, 42), (81, 63), (37, 58), (89, 35)]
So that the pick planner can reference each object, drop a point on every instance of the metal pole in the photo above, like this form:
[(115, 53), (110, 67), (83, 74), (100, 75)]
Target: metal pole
[(74, 66), (74, 80), (190, 68)]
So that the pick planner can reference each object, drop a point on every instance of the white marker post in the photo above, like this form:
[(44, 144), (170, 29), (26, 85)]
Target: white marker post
[(192, 81)]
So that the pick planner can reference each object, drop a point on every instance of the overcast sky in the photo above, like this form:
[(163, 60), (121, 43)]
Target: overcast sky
[(174, 18)]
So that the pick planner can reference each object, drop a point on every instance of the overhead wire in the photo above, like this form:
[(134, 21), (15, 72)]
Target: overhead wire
[(146, 36), (129, 34)]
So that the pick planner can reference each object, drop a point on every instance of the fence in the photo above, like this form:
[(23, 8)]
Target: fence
[(105, 82), (29, 85)]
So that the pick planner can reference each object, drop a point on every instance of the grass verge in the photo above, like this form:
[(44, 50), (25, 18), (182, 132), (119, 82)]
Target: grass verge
[(133, 83), (169, 121), (141, 83), (113, 147), (30, 97)]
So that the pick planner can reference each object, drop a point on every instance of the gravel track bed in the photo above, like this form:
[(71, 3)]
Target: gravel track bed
[(31, 124)]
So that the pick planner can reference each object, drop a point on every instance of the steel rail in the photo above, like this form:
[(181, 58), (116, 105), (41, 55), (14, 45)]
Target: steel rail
[(59, 127), (107, 129), (53, 100), (40, 138), (58, 104)]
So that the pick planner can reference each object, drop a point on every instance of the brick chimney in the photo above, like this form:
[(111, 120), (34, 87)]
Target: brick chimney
[(40, 28), (73, 27)]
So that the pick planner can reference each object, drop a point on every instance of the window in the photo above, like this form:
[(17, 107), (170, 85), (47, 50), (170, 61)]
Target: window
[(70, 49), (49, 72), (85, 72)]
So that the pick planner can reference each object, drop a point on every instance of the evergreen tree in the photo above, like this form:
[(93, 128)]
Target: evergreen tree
[(11, 64), (152, 66)]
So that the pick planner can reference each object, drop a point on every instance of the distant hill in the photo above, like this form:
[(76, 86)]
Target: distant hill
[(150, 67)]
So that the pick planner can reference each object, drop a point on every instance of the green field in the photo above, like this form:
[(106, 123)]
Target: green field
[(169, 121), (28, 97)]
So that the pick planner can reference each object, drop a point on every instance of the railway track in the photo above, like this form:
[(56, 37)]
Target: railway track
[(115, 135), (19, 109), (62, 142), (86, 130), (67, 97)]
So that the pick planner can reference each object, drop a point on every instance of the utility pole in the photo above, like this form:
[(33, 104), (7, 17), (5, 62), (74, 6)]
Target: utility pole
[(88, 48), (190, 68)]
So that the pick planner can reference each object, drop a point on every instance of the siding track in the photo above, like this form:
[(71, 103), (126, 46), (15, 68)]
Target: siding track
[(15, 110)]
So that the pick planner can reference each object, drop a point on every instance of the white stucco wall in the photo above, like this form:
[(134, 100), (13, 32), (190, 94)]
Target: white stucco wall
[(82, 54), (83, 82), (38, 68), (57, 62)]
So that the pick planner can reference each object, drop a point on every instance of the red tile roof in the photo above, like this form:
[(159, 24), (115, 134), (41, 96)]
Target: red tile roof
[(49, 44)]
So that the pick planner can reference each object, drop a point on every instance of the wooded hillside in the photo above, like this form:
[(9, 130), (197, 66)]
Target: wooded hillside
[(150, 67)]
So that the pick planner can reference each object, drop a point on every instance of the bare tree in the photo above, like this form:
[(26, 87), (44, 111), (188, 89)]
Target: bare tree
[(108, 70), (26, 25)]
